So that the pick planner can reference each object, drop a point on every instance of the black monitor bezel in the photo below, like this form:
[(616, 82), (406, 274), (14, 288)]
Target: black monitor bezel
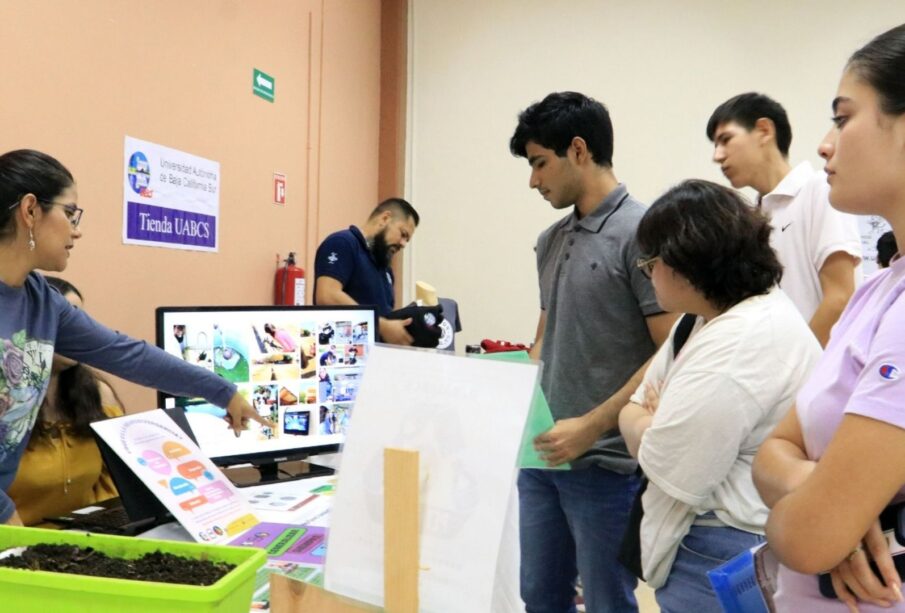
[(264, 457)]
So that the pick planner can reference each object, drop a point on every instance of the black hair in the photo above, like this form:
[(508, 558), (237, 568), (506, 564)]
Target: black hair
[(713, 237), (886, 248), (881, 63), (399, 207), (746, 109), (553, 122), (63, 286), (26, 171), (78, 398)]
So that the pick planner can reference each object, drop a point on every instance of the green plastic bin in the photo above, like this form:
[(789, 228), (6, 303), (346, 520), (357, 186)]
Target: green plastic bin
[(25, 590)]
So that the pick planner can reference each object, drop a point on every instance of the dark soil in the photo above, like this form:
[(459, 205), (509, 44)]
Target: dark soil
[(157, 566)]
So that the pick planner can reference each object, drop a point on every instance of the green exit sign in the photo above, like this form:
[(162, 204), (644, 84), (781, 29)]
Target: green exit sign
[(263, 85)]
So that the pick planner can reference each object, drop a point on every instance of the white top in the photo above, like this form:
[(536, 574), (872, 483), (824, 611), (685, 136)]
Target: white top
[(806, 231), (733, 381)]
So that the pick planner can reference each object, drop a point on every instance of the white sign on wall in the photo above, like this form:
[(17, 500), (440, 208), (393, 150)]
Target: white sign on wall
[(170, 198)]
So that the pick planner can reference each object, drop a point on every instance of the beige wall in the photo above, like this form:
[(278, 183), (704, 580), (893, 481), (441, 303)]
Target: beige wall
[(79, 75), (660, 66)]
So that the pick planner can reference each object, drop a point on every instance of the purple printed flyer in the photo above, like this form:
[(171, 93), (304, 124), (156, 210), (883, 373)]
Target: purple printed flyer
[(287, 543)]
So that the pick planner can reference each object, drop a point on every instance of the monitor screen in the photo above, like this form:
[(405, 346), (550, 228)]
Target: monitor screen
[(298, 366)]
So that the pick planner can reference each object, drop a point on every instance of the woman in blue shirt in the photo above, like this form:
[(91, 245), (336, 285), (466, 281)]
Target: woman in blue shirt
[(39, 219)]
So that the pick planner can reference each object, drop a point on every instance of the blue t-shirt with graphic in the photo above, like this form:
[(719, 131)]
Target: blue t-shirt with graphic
[(345, 256), (37, 321)]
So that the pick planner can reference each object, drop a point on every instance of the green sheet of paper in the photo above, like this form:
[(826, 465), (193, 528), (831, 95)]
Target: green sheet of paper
[(539, 417)]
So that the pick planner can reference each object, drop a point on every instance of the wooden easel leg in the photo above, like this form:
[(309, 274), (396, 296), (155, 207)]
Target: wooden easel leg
[(401, 547)]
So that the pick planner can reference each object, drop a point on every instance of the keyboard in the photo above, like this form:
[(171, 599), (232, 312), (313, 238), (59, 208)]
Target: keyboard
[(113, 518), (110, 520)]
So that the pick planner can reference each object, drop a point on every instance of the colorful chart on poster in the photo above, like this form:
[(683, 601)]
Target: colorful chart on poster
[(198, 495)]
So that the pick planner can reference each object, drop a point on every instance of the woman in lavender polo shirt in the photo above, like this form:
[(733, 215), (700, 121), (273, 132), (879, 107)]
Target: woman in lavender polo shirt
[(838, 459)]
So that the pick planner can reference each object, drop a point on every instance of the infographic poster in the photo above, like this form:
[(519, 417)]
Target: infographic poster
[(198, 495), (170, 198)]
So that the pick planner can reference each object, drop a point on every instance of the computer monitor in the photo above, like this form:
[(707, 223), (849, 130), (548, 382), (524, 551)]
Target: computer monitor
[(299, 366)]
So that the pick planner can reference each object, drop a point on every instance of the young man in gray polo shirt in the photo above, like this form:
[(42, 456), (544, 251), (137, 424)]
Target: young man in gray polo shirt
[(599, 325)]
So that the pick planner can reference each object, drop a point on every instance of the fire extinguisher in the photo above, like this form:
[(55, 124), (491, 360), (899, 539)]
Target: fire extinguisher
[(289, 282)]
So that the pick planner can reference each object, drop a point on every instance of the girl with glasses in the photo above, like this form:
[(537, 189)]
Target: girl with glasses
[(702, 411)]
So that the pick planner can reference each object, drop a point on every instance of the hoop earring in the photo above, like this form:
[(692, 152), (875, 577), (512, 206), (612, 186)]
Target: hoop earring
[(31, 240)]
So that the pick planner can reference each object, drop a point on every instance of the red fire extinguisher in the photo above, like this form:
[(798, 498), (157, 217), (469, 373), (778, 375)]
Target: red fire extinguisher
[(289, 282)]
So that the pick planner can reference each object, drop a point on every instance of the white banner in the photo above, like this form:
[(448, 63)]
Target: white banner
[(170, 198)]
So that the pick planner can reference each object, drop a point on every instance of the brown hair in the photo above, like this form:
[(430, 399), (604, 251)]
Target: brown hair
[(78, 397)]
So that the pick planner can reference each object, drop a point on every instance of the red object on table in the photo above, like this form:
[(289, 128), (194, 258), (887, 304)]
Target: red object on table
[(490, 346)]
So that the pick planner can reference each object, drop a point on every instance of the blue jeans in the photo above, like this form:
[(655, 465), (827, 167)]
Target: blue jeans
[(571, 523), (702, 549)]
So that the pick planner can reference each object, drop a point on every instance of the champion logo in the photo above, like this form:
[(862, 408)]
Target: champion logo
[(333, 258), (890, 372)]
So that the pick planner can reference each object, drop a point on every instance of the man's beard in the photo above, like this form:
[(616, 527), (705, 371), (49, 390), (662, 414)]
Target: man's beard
[(381, 250)]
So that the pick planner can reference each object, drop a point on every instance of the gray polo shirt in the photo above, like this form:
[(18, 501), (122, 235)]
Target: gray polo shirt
[(596, 301)]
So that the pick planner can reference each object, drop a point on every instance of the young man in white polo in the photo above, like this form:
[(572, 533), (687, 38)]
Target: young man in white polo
[(819, 247)]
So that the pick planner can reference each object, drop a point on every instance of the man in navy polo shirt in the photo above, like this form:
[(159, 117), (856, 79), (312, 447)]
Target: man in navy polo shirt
[(353, 266)]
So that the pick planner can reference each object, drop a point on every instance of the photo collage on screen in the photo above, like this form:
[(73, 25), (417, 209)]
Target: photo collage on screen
[(302, 374), (342, 348)]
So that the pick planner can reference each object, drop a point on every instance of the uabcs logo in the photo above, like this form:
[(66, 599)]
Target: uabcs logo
[(140, 174), (890, 372), (211, 533)]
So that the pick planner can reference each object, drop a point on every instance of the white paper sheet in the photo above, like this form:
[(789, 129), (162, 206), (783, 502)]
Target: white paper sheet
[(506, 595), (465, 417)]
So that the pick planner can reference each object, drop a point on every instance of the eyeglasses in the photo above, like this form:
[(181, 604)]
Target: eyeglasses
[(73, 212), (647, 266)]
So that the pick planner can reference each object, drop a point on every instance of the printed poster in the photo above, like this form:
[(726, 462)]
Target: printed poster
[(188, 484), (170, 198), (287, 543)]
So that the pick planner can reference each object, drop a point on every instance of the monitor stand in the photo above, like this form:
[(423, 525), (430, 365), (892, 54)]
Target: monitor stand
[(274, 472)]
